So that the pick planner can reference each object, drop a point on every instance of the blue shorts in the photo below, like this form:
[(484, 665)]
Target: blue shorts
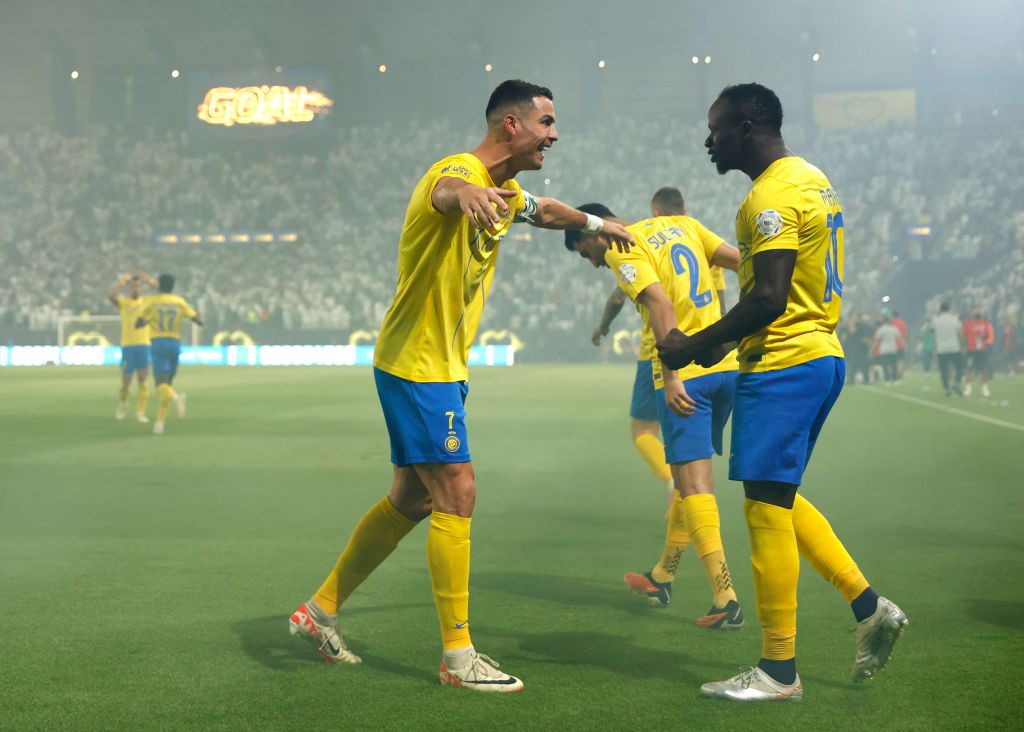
[(644, 404), (777, 418), (164, 352), (134, 358), (426, 421), (698, 436)]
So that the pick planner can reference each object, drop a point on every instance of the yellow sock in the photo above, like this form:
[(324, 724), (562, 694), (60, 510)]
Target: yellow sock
[(124, 393), (822, 548), (676, 540), (374, 539), (167, 394), (140, 406), (776, 564), (448, 557), (702, 520), (653, 453)]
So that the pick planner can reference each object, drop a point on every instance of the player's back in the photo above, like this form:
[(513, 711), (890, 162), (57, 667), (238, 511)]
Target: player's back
[(165, 313), (792, 206)]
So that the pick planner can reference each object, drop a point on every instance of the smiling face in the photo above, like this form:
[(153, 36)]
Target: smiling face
[(533, 132), (592, 247), (727, 134)]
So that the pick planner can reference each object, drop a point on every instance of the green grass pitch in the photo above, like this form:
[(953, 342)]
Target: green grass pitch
[(146, 581)]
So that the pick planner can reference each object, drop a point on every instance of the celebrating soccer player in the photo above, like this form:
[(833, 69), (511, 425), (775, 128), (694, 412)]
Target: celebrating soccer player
[(165, 312), (134, 341), (790, 234), (460, 211), (668, 274)]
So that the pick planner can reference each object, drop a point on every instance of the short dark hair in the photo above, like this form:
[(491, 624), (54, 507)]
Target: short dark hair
[(669, 200), (595, 209), (514, 91), (166, 282), (943, 307), (757, 103)]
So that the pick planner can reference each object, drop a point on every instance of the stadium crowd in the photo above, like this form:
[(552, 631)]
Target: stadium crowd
[(75, 211)]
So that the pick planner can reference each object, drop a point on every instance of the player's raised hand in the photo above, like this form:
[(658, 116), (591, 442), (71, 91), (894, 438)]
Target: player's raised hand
[(621, 239), (482, 205), (675, 350), (597, 335)]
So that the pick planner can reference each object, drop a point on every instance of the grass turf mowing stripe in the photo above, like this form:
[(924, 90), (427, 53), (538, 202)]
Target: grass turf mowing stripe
[(948, 410)]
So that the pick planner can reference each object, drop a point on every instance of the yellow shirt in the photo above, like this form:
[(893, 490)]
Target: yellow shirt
[(445, 268), (131, 310), (793, 206), (718, 277), (673, 250), (165, 313)]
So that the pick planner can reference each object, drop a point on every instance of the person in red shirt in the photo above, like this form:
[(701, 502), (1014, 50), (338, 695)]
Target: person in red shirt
[(901, 355), (979, 336)]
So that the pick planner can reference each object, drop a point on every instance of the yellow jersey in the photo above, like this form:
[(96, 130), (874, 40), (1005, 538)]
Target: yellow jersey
[(793, 206), (165, 313), (675, 251), (131, 311), (445, 268), (718, 277), (648, 346)]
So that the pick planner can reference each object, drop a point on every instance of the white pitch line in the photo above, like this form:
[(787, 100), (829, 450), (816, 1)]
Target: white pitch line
[(949, 410)]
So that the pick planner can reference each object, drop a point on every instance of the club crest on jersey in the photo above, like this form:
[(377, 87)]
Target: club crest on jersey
[(452, 444), (628, 272), (768, 223)]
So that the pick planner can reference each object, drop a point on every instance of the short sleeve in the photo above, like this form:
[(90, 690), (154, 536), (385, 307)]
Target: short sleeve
[(709, 240), (773, 217), (634, 270), (718, 278), (447, 168)]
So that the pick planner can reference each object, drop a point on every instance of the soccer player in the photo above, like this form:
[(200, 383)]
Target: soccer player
[(165, 312), (790, 235), (134, 341), (460, 211), (667, 273), (979, 335)]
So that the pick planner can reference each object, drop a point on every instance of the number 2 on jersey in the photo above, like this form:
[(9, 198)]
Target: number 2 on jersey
[(678, 252), (833, 284)]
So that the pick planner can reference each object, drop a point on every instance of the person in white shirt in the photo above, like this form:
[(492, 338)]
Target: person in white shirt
[(949, 346), (888, 345)]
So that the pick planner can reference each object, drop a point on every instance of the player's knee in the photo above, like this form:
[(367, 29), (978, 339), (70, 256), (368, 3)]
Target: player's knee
[(458, 489)]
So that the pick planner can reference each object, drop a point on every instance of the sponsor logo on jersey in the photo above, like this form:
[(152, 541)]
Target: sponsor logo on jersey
[(628, 272), (768, 223)]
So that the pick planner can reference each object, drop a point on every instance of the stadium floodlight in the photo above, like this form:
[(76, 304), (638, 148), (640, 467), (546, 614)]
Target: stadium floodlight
[(707, 59), (488, 67), (175, 73), (694, 60), (601, 64), (815, 57), (74, 74), (382, 68)]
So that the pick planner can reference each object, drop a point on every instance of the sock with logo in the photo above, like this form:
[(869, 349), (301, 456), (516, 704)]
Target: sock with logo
[(676, 540), (775, 560), (653, 453), (820, 546), (704, 524), (167, 395), (376, 536), (448, 557), (140, 405)]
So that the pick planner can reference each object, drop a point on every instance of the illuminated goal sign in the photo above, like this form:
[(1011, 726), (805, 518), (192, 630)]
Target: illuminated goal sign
[(262, 105)]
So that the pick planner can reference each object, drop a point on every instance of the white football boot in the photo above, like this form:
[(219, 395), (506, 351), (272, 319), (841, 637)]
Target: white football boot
[(479, 672), (753, 685), (158, 428), (876, 636), (309, 621)]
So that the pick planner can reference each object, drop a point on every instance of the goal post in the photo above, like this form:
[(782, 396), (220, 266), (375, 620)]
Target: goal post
[(105, 330)]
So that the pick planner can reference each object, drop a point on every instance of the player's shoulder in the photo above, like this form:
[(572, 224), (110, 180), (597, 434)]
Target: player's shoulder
[(460, 165)]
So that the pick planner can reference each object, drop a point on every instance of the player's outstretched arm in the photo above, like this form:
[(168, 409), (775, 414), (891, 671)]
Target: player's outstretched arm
[(726, 256), (553, 214), (611, 309), (766, 301), (452, 196), (197, 320)]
